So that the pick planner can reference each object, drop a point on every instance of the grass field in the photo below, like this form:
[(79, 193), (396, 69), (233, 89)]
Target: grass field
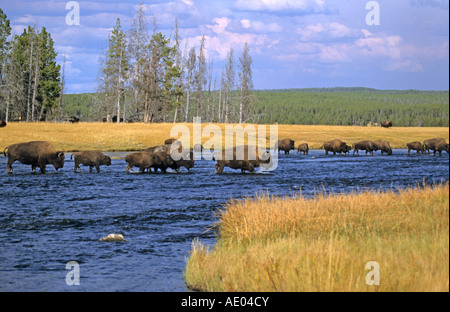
[(325, 243), (135, 136)]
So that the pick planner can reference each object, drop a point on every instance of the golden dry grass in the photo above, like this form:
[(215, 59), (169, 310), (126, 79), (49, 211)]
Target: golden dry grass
[(324, 243), (136, 136)]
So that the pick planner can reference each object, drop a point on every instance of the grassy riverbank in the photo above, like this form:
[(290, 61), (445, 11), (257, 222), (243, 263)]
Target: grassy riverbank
[(324, 243), (134, 136)]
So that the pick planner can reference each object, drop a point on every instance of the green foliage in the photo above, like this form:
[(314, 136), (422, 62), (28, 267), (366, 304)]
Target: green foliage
[(350, 106), (353, 106), (49, 88)]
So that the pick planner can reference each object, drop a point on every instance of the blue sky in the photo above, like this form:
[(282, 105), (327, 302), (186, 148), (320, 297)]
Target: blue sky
[(294, 43)]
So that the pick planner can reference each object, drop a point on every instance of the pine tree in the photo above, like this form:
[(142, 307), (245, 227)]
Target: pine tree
[(48, 79), (5, 49), (200, 77), (117, 64), (138, 40), (246, 84)]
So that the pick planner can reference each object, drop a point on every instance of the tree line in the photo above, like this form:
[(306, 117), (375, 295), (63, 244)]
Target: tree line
[(353, 107), (143, 76), (327, 106), (30, 78), (146, 76)]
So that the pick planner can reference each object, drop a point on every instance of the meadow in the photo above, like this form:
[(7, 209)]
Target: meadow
[(135, 136), (298, 244)]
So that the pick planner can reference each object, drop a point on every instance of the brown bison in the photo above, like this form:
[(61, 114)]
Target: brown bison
[(74, 119), (415, 146), (36, 153), (170, 141), (142, 160), (383, 146), (303, 148), (187, 161), (241, 157), (436, 145), (386, 124), (91, 159), (367, 146), (2, 123), (335, 146), (170, 148), (285, 145)]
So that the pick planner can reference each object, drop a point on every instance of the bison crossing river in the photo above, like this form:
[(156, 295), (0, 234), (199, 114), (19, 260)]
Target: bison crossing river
[(172, 155)]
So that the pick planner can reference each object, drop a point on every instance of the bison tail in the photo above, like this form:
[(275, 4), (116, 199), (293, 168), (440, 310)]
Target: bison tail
[(71, 157), (4, 151)]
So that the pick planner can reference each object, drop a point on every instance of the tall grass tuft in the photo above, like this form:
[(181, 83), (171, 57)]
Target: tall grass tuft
[(324, 243)]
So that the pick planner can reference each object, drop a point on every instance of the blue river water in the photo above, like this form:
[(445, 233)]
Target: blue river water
[(47, 220)]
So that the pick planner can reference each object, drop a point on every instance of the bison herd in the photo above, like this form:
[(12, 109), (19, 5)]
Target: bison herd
[(338, 147), (172, 155)]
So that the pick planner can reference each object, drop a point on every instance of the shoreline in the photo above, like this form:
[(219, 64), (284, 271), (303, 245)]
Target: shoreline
[(127, 137)]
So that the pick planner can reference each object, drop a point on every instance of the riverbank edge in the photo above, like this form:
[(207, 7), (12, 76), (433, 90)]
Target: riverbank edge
[(329, 243)]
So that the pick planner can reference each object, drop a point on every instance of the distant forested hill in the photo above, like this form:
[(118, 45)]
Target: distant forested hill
[(320, 106), (353, 106)]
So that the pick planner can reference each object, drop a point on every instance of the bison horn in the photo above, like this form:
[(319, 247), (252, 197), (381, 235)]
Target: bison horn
[(60, 154)]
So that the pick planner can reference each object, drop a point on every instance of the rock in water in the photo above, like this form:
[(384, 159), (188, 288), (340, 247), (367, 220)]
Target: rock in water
[(113, 238)]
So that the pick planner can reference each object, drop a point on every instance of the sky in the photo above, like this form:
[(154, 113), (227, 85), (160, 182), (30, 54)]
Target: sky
[(384, 44)]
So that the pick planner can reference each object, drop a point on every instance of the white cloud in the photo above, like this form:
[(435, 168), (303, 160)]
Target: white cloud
[(281, 5), (221, 39), (322, 31), (246, 23), (220, 24), (260, 27), (388, 46), (266, 27)]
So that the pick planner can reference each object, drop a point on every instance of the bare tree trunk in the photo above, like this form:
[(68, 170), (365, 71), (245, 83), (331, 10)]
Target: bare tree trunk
[(63, 83), (187, 103), (118, 87), (29, 79)]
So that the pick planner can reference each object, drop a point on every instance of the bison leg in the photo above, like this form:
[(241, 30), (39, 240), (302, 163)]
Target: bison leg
[(219, 167), (41, 167), (98, 168), (9, 168), (76, 167), (90, 169)]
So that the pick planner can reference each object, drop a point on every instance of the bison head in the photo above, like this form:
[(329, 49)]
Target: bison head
[(58, 162), (106, 161), (167, 160)]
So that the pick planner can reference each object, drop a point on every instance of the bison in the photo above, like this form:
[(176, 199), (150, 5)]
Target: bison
[(436, 145), (285, 145), (384, 146), (2, 123), (142, 160), (74, 119), (415, 146), (166, 162), (303, 148), (335, 146), (170, 141), (386, 124), (187, 161), (241, 157), (91, 159), (166, 148), (35, 153), (367, 146)]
